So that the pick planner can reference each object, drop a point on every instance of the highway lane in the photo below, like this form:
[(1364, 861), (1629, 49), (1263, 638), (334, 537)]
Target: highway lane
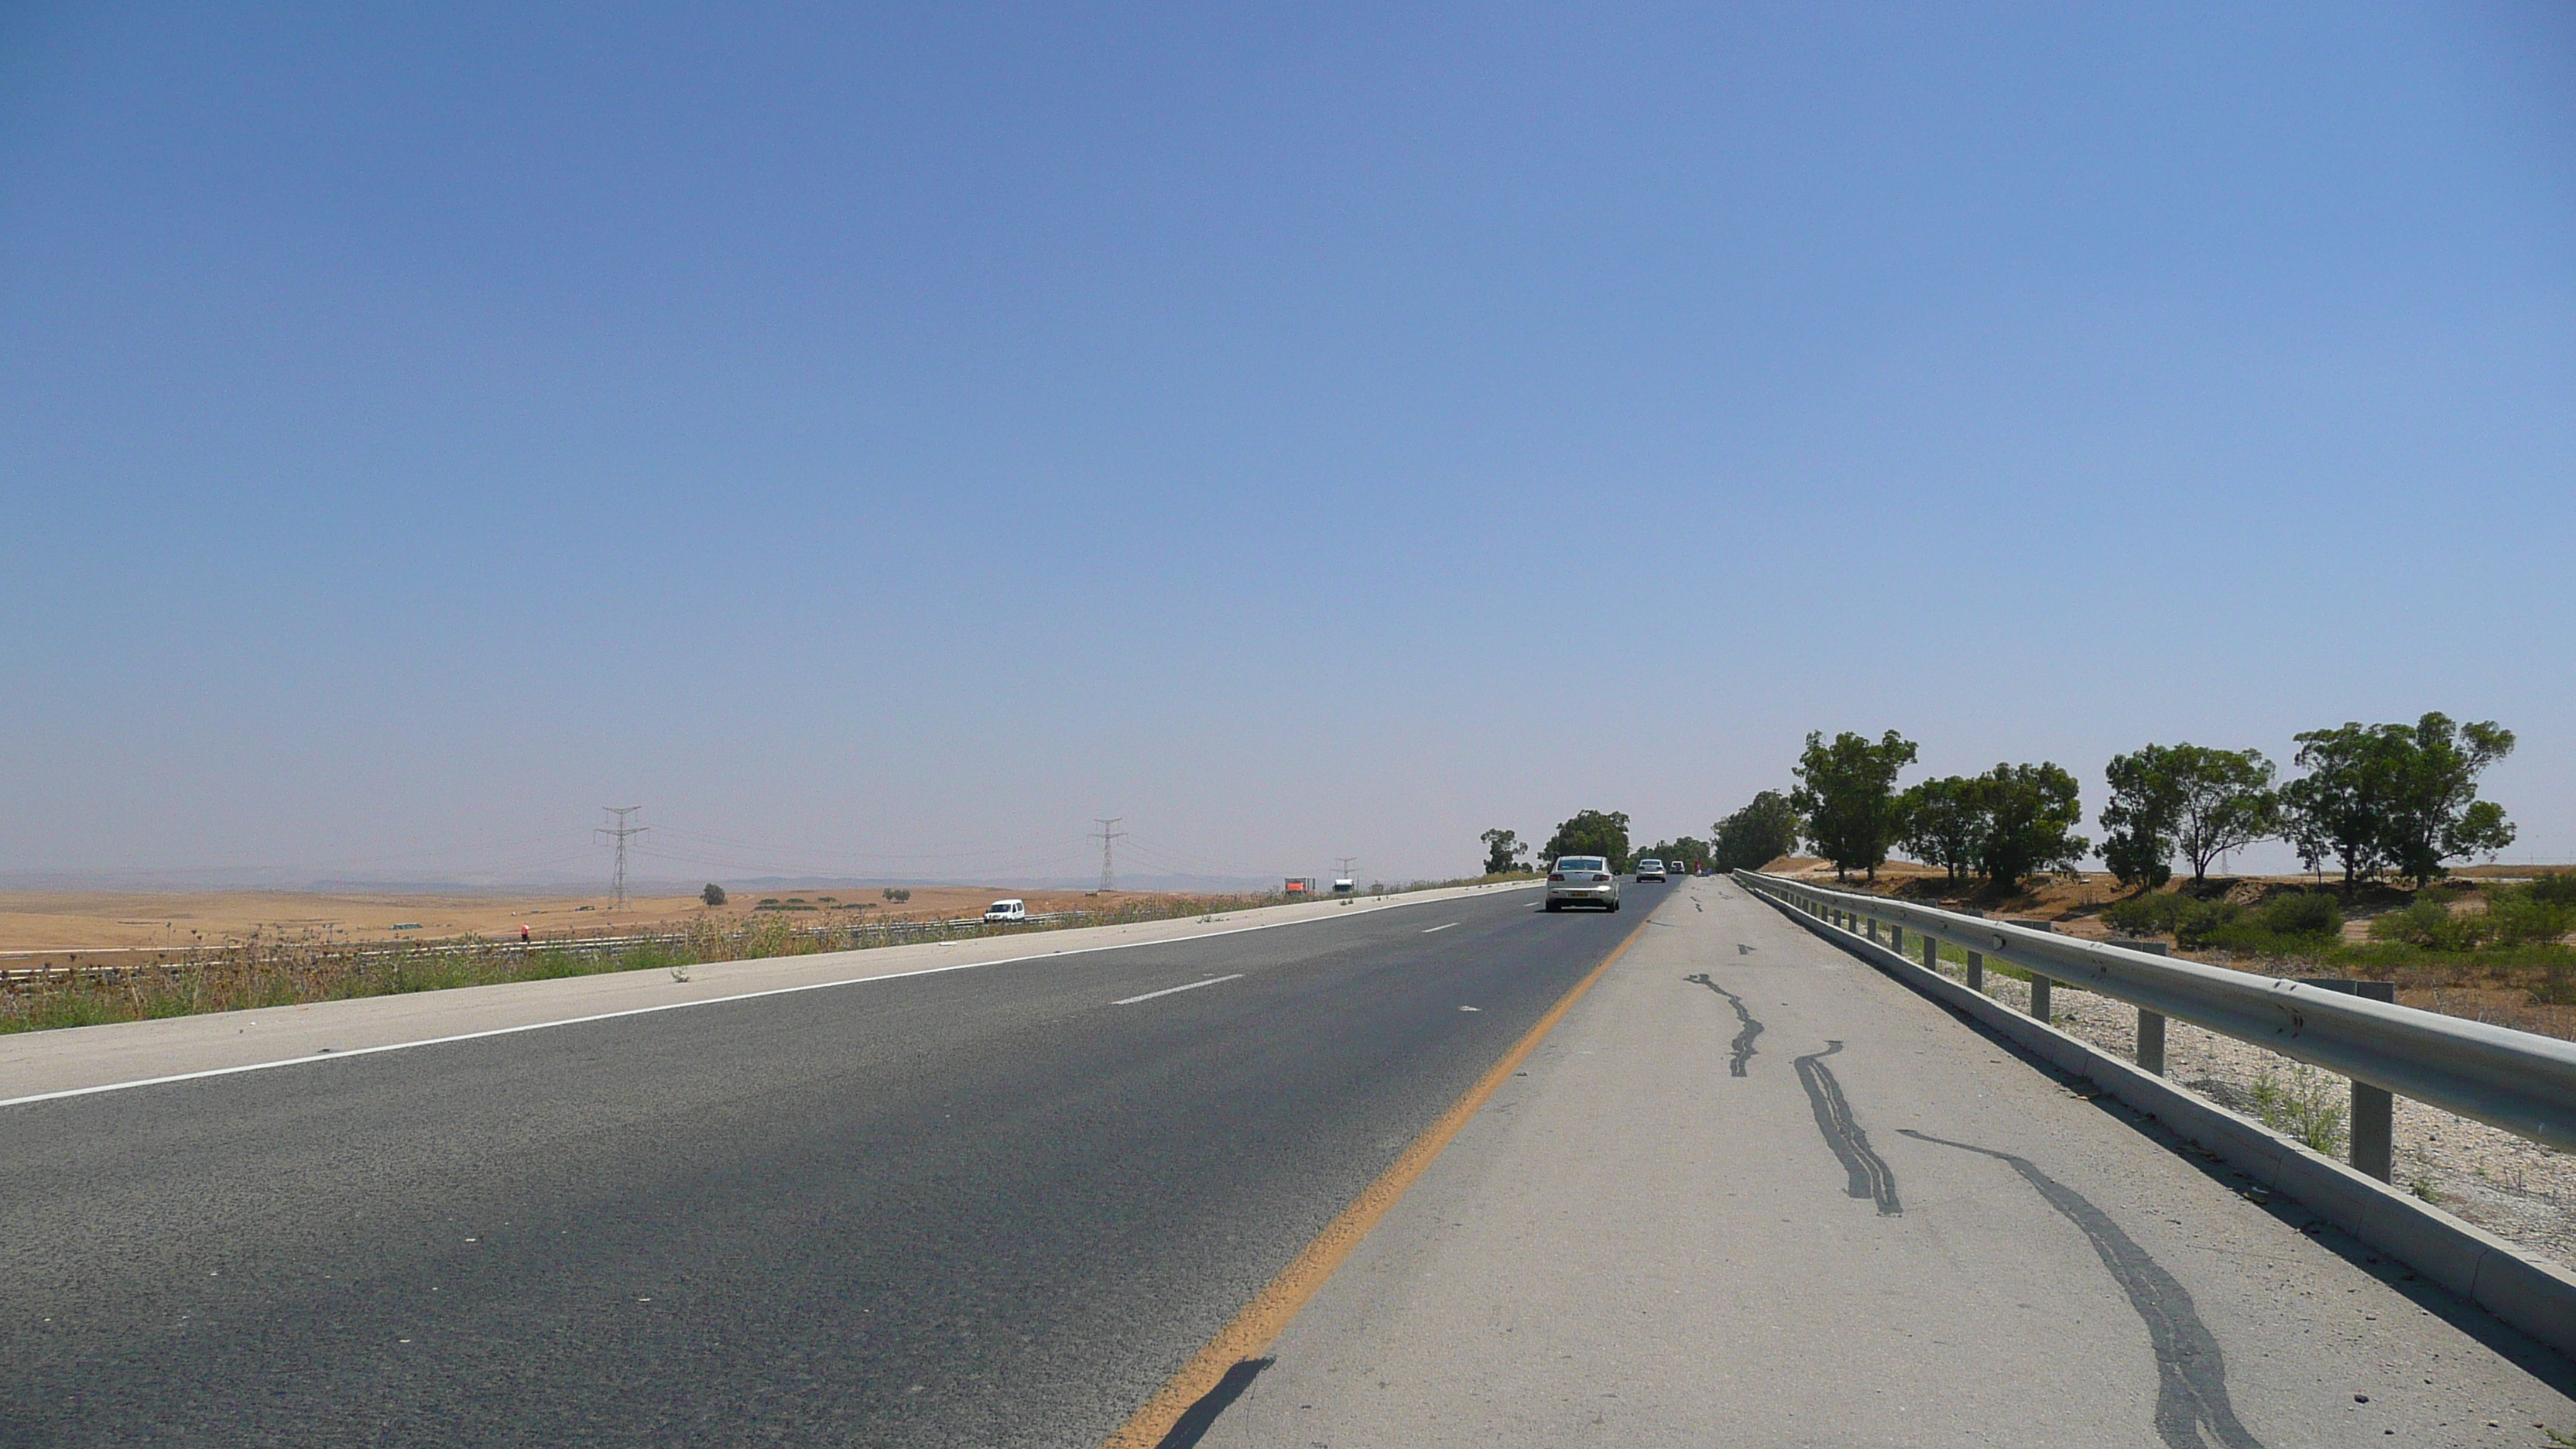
[(992, 1206)]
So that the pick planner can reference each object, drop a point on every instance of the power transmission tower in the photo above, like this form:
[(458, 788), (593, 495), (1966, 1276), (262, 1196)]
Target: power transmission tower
[(1347, 862), (1107, 832), (619, 833)]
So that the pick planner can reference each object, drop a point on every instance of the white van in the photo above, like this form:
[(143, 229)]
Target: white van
[(1006, 913)]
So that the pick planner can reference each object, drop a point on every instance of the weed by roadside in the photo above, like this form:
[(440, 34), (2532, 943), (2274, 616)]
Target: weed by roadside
[(2301, 1103)]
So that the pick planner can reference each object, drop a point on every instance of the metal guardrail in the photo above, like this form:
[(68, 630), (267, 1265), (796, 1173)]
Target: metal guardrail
[(2515, 1080)]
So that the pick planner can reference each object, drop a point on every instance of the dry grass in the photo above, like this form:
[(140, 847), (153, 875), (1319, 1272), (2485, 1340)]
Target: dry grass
[(62, 923)]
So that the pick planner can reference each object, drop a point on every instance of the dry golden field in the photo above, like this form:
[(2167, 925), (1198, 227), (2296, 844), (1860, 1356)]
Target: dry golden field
[(53, 922)]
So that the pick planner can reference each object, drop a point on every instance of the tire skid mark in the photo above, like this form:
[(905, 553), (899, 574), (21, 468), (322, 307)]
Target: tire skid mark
[(1870, 1176), (2192, 1411), (1742, 1046)]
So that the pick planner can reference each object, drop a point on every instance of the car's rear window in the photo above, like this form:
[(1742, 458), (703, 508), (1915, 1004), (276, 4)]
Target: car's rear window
[(1583, 862)]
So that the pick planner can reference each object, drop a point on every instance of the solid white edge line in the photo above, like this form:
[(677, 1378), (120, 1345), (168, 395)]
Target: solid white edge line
[(1439, 928), (1168, 990), (398, 1046)]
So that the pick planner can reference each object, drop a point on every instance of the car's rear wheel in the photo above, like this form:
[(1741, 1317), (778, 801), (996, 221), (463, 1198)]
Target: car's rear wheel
[(1554, 906)]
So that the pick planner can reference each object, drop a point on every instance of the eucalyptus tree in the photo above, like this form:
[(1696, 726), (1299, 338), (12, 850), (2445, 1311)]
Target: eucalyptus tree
[(2030, 814), (2185, 799), (2396, 797), (1846, 794), (1765, 829), (1944, 821)]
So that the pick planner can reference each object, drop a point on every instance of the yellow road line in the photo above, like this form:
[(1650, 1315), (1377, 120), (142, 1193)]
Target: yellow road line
[(1270, 1311)]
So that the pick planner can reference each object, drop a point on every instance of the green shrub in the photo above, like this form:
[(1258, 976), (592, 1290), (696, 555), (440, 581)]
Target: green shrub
[(2430, 925), (2558, 888), (2145, 915), (2198, 923), (2302, 914), (2194, 924), (2523, 916)]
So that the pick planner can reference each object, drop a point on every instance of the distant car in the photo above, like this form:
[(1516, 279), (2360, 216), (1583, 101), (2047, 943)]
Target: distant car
[(1582, 880), (1650, 870), (1006, 913)]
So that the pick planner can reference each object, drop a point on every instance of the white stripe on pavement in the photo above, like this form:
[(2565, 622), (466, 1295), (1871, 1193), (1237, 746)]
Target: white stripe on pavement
[(1168, 990), (1439, 928)]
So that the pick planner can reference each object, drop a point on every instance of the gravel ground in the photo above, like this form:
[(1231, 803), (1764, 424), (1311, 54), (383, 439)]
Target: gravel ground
[(2516, 1189)]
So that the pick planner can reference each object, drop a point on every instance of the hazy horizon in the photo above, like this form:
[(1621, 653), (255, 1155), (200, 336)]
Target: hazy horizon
[(893, 441)]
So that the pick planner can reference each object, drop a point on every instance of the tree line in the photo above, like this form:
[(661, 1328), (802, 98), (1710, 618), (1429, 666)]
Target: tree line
[(2375, 800)]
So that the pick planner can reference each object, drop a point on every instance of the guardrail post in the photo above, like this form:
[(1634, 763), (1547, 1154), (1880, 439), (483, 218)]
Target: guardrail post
[(2374, 1109), (1977, 971), (1896, 938), (1931, 954), (2039, 984), (2151, 1041)]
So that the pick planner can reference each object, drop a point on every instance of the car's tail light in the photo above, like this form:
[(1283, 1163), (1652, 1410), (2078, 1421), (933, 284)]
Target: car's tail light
[(1556, 875), (1601, 877)]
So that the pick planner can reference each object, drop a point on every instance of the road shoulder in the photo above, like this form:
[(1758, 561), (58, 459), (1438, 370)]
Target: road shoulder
[(1886, 1230)]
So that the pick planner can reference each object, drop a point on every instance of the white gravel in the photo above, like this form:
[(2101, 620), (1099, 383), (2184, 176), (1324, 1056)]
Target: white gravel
[(2514, 1188)]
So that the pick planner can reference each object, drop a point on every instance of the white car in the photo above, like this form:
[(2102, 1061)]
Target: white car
[(1650, 870), (1582, 880), (1006, 913)]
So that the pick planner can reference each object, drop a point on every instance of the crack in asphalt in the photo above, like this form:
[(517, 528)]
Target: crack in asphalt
[(1870, 1175), (1743, 1043), (2192, 1411)]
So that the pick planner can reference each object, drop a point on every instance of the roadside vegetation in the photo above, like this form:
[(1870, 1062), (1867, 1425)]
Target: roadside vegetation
[(1591, 832), (2378, 814)]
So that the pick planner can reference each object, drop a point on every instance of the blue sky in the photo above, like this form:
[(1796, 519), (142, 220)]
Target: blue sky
[(881, 442)]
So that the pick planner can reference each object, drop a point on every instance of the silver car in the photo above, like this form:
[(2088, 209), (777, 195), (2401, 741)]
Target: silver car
[(1582, 880), (1650, 870)]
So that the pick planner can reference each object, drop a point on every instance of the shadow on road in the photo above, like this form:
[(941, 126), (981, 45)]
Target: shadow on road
[(1196, 1420)]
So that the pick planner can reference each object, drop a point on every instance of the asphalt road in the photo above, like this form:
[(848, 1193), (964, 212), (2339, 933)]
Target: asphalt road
[(989, 1207)]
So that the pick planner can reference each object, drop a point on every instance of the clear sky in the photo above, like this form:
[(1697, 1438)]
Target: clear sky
[(880, 440)]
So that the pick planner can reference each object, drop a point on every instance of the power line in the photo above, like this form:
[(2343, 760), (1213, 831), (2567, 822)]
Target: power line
[(619, 833), (1107, 833), (837, 854)]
